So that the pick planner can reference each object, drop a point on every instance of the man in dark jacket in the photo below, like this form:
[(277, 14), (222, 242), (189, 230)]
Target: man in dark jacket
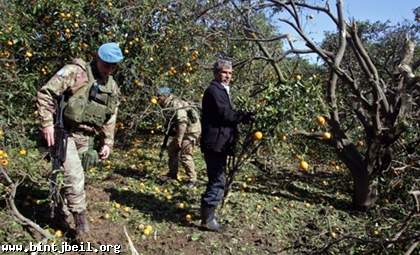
[(219, 123)]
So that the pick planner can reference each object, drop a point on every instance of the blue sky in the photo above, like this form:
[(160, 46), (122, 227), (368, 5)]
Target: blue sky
[(393, 10), (372, 10)]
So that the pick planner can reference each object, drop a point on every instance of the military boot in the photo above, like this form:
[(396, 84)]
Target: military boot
[(208, 219), (61, 220), (82, 226), (169, 177)]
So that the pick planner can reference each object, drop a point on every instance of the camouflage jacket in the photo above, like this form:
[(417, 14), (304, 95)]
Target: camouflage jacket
[(181, 120), (68, 80)]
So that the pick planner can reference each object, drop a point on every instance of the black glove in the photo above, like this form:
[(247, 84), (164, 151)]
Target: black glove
[(248, 117)]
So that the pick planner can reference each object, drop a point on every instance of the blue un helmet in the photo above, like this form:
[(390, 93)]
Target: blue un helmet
[(164, 91), (110, 53)]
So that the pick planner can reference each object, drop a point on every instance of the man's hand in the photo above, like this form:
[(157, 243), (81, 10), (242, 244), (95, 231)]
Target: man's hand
[(248, 117), (178, 145), (105, 151), (48, 133)]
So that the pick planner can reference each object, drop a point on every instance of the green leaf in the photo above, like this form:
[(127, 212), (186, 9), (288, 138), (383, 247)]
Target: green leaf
[(195, 237)]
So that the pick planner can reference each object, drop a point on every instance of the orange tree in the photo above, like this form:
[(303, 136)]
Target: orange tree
[(165, 43), (161, 40), (283, 95), (370, 103)]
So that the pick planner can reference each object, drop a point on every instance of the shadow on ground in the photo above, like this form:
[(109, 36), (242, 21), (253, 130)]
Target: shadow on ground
[(130, 172), (160, 209), (317, 188)]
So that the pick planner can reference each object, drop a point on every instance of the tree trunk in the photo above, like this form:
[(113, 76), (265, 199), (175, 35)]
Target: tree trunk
[(364, 194)]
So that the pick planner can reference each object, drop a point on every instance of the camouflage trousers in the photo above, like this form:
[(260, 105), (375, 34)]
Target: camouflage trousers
[(74, 178), (185, 155)]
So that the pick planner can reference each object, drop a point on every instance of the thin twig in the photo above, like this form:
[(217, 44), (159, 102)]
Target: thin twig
[(416, 194), (130, 243)]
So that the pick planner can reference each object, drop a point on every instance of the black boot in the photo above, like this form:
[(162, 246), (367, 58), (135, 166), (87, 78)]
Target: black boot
[(61, 220), (82, 226), (208, 219), (168, 178)]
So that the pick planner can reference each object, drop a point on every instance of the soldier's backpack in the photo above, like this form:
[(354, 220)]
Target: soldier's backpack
[(193, 114)]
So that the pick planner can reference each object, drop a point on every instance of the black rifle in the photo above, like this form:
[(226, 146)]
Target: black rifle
[(168, 133), (164, 145), (58, 154)]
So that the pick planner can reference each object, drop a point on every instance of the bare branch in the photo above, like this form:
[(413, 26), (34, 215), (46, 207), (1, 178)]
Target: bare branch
[(276, 38), (313, 135), (8, 179), (11, 202), (309, 43), (361, 50), (332, 98), (412, 248), (205, 11), (405, 67), (325, 10), (360, 113), (416, 195), (318, 8), (295, 15), (368, 67), (337, 62), (264, 50), (272, 61), (342, 35), (133, 249), (293, 51), (403, 228), (408, 52), (359, 58)]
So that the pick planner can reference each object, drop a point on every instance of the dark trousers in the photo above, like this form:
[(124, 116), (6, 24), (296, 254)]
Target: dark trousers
[(216, 164)]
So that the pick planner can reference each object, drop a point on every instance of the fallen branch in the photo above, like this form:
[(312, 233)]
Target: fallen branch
[(22, 219), (130, 243), (405, 225), (412, 248), (416, 194)]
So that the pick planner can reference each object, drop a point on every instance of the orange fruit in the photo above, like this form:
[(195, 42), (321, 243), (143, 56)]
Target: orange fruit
[(22, 152), (188, 217), (181, 205), (303, 165), (58, 233), (326, 136), (320, 120), (148, 230), (258, 135)]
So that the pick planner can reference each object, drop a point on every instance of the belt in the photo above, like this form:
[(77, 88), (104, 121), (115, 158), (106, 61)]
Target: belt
[(84, 130)]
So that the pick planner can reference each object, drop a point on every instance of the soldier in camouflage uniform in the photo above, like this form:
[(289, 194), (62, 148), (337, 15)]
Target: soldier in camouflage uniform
[(91, 110), (186, 129)]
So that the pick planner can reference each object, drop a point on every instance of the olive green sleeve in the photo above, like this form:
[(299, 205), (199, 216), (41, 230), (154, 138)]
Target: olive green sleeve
[(108, 129), (181, 119), (66, 77)]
